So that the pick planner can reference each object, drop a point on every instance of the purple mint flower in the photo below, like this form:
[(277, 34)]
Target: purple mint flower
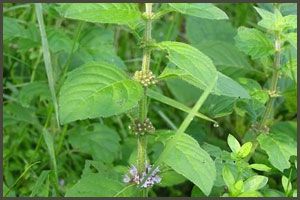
[(153, 178), (133, 170), (134, 177)]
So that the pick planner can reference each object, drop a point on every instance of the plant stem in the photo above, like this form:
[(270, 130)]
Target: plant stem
[(273, 89), (143, 106), (275, 77)]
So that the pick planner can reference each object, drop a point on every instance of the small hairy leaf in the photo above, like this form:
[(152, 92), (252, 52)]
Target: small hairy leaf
[(233, 143), (279, 147), (114, 13), (186, 157), (260, 167), (202, 10), (270, 21), (253, 42), (97, 90), (255, 183), (244, 150), (228, 176)]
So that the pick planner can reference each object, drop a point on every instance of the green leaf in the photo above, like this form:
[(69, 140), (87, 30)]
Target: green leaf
[(12, 28), (290, 22), (253, 42), (14, 114), (260, 167), (97, 90), (286, 184), (279, 147), (97, 185), (250, 194), (270, 21), (255, 90), (225, 55), (96, 44), (228, 176), (33, 90), (186, 157), (202, 10), (225, 85), (171, 178), (272, 193), (183, 91), (191, 61), (233, 143), (244, 150), (60, 41), (295, 193), (215, 106), (114, 13), (255, 106), (292, 39), (239, 186), (160, 97), (285, 8), (275, 21), (199, 30), (255, 183), (101, 142), (287, 128), (218, 106), (204, 34)]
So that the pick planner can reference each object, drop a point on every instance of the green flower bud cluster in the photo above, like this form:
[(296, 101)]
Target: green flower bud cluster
[(140, 128), (258, 129), (146, 78)]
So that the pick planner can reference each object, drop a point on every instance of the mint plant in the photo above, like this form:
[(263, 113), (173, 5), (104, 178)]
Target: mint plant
[(144, 100), (117, 94)]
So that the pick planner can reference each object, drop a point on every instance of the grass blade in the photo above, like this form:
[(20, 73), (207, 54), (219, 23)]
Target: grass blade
[(49, 142), (166, 100), (196, 107), (47, 58)]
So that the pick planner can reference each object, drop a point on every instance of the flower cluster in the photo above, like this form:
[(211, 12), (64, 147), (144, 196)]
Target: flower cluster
[(140, 128), (135, 177), (258, 129), (146, 78)]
